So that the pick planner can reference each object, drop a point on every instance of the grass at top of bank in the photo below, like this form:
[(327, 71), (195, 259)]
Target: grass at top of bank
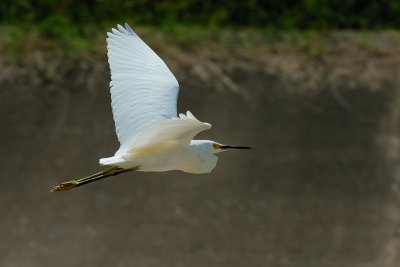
[(18, 42)]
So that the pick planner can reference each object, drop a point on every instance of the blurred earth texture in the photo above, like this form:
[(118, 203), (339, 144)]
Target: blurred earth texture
[(319, 188)]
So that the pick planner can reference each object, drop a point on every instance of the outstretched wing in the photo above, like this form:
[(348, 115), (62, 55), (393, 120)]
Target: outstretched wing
[(143, 89), (181, 129)]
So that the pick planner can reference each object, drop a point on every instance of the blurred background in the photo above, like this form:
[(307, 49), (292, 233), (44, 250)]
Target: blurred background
[(313, 86)]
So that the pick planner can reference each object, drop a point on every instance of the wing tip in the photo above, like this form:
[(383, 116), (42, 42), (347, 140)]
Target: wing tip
[(129, 29), (183, 116), (208, 126), (190, 116), (120, 29)]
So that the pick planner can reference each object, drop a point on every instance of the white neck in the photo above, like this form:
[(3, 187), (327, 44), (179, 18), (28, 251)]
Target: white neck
[(200, 157)]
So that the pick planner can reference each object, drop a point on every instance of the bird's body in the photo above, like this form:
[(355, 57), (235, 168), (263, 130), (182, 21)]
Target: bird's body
[(144, 96), (167, 156), (166, 146)]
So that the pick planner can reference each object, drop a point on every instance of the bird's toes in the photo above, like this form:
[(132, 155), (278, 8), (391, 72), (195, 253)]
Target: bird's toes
[(64, 186)]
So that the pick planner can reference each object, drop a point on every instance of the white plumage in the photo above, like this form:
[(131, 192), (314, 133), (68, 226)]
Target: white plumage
[(143, 89), (144, 96)]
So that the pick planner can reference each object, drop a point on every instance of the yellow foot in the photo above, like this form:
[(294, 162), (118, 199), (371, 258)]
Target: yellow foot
[(65, 186)]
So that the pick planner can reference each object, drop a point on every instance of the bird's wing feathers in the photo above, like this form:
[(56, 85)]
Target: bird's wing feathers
[(181, 129), (143, 89)]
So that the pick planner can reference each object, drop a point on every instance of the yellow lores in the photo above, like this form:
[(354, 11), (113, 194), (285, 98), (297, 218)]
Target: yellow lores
[(152, 137)]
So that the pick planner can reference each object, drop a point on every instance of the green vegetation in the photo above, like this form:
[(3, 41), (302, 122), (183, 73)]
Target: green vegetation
[(51, 16), (67, 28)]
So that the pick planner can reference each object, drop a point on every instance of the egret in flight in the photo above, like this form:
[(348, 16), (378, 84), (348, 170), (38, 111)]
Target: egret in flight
[(144, 96)]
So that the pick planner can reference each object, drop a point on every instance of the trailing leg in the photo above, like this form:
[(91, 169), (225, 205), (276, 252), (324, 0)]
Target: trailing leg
[(90, 179)]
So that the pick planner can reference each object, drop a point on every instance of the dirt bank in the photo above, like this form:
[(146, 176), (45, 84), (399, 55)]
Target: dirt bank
[(320, 187)]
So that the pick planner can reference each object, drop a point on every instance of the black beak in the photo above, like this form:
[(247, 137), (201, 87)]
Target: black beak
[(233, 147)]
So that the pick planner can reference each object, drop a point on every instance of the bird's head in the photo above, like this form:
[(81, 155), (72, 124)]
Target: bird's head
[(224, 147), (215, 147)]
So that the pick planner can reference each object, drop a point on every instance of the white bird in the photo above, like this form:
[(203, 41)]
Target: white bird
[(144, 96)]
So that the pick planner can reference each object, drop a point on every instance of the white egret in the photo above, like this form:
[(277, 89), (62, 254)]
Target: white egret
[(144, 96)]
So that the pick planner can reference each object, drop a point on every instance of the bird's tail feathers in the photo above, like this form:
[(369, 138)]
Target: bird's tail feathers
[(116, 160)]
